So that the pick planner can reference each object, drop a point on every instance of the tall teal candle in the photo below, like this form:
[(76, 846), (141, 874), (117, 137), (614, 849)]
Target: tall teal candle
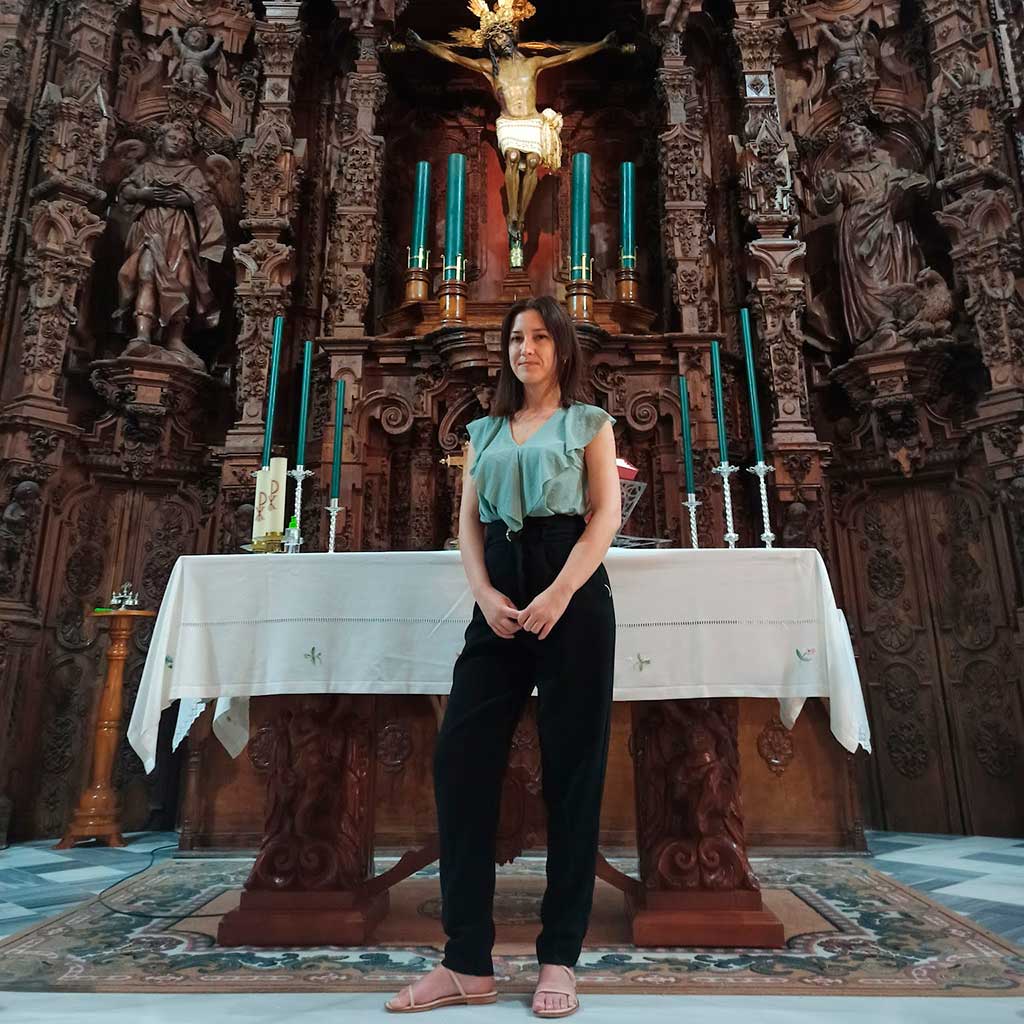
[(307, 370), (339, 418), (684, 415), (421, 208), (755, 410), (627, 216), (455, 216), (716, 379), (580, 224), (275, 362)]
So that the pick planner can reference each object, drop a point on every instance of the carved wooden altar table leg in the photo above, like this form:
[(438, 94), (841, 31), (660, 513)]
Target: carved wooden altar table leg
[(309, 885), (696, 885), (97, 815)]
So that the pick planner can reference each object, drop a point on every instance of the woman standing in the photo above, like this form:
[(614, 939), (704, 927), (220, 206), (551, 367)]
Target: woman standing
[(543, 617)]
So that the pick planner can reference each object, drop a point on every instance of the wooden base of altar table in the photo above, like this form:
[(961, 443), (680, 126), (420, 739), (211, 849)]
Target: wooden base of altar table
[(311, 884)]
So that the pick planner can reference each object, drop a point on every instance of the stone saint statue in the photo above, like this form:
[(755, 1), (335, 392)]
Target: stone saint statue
[(877, 250), (527, 137), (175, 228), (194, 57)]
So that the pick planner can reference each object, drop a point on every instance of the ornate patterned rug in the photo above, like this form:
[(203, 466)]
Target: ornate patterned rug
[(849, 931)]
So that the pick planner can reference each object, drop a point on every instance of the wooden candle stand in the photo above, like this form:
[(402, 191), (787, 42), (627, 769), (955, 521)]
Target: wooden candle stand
[(97, 815)]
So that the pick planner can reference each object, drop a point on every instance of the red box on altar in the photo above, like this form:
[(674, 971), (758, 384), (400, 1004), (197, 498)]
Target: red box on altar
[(627, 471)]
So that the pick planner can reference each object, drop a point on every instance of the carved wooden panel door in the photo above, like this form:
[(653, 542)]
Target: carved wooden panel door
[(931, 604)]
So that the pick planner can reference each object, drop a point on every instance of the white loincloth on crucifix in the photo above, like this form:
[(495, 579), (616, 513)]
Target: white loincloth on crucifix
[(540, 134)]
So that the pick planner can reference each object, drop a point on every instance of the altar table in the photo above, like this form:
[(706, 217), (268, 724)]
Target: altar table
[(695, 631), (709, 623)]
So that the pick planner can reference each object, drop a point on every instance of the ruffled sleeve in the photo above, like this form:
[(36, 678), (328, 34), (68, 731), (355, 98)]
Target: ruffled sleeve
[(481, 433), (582, 422)]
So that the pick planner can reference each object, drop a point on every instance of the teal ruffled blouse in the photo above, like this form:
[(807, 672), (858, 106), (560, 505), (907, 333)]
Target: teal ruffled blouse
[(544, 476)]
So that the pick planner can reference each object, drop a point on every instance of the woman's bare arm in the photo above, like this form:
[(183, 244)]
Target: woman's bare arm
[(471, 531), (606, 503)]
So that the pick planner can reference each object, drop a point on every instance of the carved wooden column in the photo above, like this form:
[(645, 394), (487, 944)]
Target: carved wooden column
[(271, 162), (684, 191), (981, 213), (19, 79), (696, 885), (307, 885), (353, 226), (776, 258)]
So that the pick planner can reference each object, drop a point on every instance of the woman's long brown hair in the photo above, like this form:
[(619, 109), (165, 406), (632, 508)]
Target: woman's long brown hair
[(510, 394)]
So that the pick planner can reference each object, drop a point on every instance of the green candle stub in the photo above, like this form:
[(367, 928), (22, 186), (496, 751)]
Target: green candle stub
[(455, 215), (421, 208), (716, 377), (627, 216), (275, 362), (684, 415), (755, 410), (339, 417), (307, 369), (580, 223)]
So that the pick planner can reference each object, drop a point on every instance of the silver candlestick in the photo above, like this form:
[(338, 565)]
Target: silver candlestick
[(691, 503), (761, 470), (332, 510), (724, 470), (298, 474)]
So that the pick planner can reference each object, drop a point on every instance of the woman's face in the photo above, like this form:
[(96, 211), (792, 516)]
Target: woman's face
[(531, 349)]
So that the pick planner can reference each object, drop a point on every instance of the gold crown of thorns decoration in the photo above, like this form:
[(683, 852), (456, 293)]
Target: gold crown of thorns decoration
[(505, 17)]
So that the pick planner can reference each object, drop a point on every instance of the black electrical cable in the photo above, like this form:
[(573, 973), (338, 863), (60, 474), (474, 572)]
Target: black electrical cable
[(138, 913)]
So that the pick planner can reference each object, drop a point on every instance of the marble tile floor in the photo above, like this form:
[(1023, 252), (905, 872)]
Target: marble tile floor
[(981, 878)]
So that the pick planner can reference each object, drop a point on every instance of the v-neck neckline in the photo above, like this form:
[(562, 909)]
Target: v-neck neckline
[(508, 425)]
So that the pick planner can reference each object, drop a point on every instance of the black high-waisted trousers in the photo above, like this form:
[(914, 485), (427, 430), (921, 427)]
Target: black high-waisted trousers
[(572, 669)]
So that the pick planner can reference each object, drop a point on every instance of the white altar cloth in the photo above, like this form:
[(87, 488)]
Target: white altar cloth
[(711, 623)]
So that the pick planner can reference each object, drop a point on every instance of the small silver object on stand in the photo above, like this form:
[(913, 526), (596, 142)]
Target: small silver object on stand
[(125, 597), (724, 470)]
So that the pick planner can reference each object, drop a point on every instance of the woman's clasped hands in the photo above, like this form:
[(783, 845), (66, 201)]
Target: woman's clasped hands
[(539, 617)]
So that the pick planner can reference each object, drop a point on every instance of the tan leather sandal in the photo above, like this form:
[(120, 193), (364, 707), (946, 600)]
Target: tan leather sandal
[(462, 999), (574, 1003)]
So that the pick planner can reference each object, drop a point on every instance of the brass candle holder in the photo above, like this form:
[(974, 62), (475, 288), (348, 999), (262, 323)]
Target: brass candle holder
[(417, 276), (580, 292), (452, 299)]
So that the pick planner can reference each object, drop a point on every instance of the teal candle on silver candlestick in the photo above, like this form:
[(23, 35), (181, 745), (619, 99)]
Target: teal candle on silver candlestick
[(339, 418), (455, 216), (421, 208), (275, 362), (580, 222), (716, 379), (755, 410), (627, 216), (684, 415), (307, 370)]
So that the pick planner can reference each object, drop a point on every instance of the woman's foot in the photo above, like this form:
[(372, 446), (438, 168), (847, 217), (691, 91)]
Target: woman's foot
[(438, 984), (556, 991)]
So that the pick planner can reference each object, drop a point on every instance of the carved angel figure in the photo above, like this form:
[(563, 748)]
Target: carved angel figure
[(14, 525), (194, 57), (175, 228), (877, 248), (850, 48), (369, 9), (675, 17)]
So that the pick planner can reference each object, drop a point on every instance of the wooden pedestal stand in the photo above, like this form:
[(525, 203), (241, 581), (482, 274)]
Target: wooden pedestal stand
[(97, 815)]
